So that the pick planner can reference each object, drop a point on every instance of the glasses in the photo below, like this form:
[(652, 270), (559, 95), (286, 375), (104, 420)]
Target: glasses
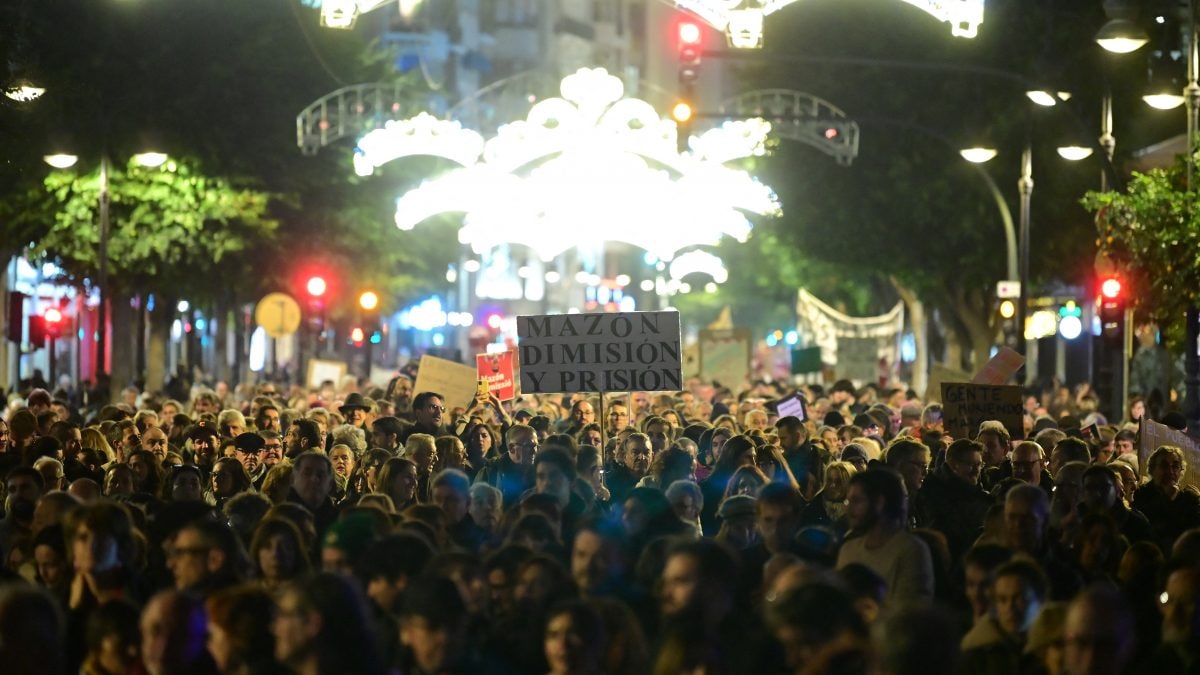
[(180, 551), (437, 408), (921, 466), (274, 447)]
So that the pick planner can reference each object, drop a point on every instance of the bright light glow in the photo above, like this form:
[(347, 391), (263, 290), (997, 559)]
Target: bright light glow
[(316, 287), (439, 340), (1121, 36), (451, 274), (581, 277), (183, 306), (772, 340), (1043, 323), (368, 300), (176, 329), (623, 280), (627, 304), (978, 155), (24, 91), (553, 277), (685, 287), (1111, 288), (61, 160), (1074, 153), (356, 334), (792, 337), (1041, 97), (471, 266), (699, 262), (425, 316), (649, 258), (421, 135), (647, 285), (151, 160), (590, 168), (52, 315), (1163, 101), (258, 349), (1008, 309), (524, 271), (689, 33), (573, 310), (494, 321), (710, 287), (682, 111), (1070, 327)]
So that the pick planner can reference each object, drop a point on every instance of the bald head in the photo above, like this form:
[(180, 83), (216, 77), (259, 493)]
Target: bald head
[(85, 490)]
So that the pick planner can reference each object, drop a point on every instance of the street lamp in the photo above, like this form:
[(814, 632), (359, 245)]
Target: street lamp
[(1121, 36), (64, 160)]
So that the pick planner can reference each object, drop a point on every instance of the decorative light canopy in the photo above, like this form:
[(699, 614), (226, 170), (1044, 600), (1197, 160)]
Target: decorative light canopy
[(580, 170), (23, 91), (742, 20), (699, 262)]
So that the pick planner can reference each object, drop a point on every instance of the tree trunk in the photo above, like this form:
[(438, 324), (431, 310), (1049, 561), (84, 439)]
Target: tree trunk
[(123, 322), (920, 327), (156, 351), (973, 311)]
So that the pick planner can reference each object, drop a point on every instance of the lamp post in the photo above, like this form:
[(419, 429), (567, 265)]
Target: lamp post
[(1191, 94), (150, 160)]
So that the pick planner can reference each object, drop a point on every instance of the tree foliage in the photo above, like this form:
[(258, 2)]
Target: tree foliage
[(1152, 233), (170, 227)]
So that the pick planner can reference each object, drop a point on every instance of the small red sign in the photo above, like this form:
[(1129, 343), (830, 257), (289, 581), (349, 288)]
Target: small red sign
[(497, 370)]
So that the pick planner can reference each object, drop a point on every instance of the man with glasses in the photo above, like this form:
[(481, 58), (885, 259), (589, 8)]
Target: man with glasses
[(267, 418), (951, 500), (429, 411), (911, 460), (205, 557), (512, 474), (1029, 466), (272, 450), (248, 449)]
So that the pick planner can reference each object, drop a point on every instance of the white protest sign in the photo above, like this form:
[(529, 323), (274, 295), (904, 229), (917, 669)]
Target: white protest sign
[(627, 351), (454, 381)]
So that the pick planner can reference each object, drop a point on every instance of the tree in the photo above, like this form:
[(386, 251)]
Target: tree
[(1151, 232)]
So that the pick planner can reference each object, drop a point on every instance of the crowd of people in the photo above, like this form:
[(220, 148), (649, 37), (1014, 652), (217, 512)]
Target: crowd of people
[(363, 530)]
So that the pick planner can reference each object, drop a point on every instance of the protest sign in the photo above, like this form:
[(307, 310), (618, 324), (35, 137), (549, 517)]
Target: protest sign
[(627, 351), (966, 405), (1152, 435), (321, 370), (725, 356), (454, 381), (496, 369), (1000, 367)]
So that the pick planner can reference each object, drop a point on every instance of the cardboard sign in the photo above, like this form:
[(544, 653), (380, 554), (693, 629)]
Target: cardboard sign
[(792, 406), (1152, 435), (939, 374), (966, 405), (320, 370), (1000, 368), (725, 356), (497, 370), (454, 381), (626, 351)]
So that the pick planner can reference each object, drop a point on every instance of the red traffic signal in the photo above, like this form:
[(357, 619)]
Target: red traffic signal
[(1111, 288), (52, 321), (689, 39), (356, 335), (315, 286)]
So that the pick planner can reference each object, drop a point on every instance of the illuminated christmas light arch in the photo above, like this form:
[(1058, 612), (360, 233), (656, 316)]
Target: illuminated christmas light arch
[(581, 170), (742, 20)]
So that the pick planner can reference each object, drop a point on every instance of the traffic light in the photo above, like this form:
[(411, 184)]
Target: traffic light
[(1113, 301), (369, 301), (315, 286), (53, 322), (356, 336), (682, 112), (37, 331), (689, 43), (1008, 322)]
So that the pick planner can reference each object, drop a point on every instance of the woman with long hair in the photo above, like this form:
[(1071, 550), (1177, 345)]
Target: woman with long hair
[(479, 441), (104, 549), (574, 640), (738, 451), (147, 472), (398, 480), (277, 552), (90, 438), (229, 479)]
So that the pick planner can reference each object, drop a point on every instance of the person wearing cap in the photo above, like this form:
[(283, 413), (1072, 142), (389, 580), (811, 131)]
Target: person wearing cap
[(248, 449), (356, 409), (429, 412), (204, 441), (738, 526), (856, 454)]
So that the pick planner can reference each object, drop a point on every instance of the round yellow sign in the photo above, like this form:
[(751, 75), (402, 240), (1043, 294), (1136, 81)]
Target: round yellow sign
[(278, 314)]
